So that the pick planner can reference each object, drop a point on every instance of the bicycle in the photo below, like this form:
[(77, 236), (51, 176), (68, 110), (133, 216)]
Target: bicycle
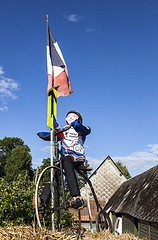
[(102, 219)]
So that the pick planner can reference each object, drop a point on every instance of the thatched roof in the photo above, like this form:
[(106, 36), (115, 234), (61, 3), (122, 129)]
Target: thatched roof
[(137, 197)]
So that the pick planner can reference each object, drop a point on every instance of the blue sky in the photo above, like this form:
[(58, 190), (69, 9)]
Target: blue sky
[(111, 50)]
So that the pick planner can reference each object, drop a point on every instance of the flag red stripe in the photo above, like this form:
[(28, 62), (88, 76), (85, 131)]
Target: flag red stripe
[(61, 83)]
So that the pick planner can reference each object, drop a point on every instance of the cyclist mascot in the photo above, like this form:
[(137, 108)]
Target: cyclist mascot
[(72, 141)]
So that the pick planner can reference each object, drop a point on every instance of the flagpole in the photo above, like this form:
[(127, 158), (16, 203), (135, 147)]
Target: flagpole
[(52, 162), (52, 174)]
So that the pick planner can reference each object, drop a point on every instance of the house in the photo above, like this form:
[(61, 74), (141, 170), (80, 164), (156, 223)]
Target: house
[(135, 205), (106, 179)]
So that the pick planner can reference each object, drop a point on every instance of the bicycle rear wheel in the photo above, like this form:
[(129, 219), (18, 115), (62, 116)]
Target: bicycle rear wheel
[(103, 221)]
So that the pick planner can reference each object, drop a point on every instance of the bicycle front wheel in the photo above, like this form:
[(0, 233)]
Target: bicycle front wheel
[(103, 221), (37, 190)]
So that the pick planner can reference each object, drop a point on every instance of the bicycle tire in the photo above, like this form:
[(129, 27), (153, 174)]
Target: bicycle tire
[(103, 221), (36, 193)]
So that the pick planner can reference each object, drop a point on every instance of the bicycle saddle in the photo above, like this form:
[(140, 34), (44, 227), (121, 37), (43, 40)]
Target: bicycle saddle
[(44, 135)]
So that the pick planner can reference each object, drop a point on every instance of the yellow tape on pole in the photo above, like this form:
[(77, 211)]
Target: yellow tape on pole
[(52, 107)]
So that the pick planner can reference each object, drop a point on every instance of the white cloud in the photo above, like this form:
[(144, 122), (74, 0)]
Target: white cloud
[(4, 108), (1, 70), (136, 162), (140, 161), (73, 18), (89, 30), (45, 148), (8, 87), (94, 162)]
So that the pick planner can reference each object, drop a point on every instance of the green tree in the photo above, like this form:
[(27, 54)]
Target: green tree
[(45, 163), (15, 158), (7, 144), (2, 164), (123, 169), (19, 162)]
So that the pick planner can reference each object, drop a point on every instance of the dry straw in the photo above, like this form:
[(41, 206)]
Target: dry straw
[(35, 233)]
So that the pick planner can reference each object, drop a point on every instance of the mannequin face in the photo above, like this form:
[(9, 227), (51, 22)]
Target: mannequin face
[(71, 117)]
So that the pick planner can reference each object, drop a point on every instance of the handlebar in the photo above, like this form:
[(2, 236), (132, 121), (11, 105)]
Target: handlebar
[(63, 130)]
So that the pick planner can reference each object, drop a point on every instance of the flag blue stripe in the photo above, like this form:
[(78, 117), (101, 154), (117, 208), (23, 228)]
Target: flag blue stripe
[(55, 58)]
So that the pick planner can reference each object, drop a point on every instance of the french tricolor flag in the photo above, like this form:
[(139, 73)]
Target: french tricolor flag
[(58, 77)]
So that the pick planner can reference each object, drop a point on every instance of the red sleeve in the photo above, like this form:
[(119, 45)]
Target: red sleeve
[(60, 135)]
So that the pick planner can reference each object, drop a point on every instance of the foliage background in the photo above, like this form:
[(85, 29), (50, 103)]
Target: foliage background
[(16, 201), (17, 184)]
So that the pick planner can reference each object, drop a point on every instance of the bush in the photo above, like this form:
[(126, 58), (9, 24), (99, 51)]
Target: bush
[(16, 204), (16, 201)]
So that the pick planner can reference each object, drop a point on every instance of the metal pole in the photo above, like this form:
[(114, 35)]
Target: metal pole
[(52, 174), (52, 162), (89, 208)]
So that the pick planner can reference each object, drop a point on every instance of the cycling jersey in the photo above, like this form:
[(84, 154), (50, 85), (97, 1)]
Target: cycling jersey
[(73, 139)]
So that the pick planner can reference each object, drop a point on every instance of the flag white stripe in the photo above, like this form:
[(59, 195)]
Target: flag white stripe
[(59, 52), (49, 63)]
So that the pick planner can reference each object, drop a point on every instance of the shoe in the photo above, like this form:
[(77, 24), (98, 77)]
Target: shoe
[(41, 206), (77, 203)]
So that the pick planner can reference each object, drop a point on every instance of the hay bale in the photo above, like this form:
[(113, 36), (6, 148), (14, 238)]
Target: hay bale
[(35, 233)]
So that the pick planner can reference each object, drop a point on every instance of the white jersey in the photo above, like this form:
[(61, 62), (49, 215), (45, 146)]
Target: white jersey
[(72, 143), (72, 140)]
